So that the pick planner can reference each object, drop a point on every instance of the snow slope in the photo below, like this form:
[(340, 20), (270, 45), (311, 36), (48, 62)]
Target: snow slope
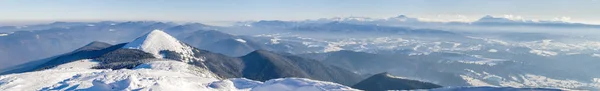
[(157, 41), (158, 75), (79, 64), (300, 84), (170, 65)]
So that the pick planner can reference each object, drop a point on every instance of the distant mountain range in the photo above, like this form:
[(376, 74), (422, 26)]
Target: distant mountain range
[(403, 20), (44, 40)]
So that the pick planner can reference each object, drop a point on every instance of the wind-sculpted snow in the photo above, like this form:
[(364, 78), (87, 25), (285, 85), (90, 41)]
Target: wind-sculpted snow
[(157, 75)]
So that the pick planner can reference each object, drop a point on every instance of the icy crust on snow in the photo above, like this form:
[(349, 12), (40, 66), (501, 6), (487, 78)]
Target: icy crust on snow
[(158, 75), (157, 41)]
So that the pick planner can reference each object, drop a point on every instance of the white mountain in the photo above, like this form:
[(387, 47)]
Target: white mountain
[(512, 19), (157, 41)]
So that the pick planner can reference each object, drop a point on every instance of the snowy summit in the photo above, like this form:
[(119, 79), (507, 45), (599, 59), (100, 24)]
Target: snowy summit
[(157, 41)]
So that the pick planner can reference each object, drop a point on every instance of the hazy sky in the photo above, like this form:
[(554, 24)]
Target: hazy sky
[(586, 11)]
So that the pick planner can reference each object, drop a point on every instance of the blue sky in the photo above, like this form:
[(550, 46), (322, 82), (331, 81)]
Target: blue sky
[(585, 11)]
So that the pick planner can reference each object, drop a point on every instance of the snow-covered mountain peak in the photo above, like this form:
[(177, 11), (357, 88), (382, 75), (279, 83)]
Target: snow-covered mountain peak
[(156, 41), (401, 16), (387, 75), (489, 18), (517, 19)]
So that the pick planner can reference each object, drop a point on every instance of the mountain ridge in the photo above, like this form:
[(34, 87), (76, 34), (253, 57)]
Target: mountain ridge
[(384, 81), (159, 45)]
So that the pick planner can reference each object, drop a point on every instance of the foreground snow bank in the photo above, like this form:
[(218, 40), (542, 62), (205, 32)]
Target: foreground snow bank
[(175, 66), (158, 75), (300, 84)]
